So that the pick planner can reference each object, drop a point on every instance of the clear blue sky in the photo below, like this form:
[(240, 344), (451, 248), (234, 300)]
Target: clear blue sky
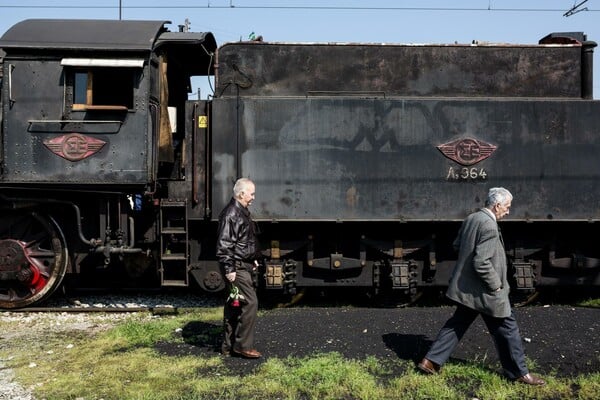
[(370, 21)]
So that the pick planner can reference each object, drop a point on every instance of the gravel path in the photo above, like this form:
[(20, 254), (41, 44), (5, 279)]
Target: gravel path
[(36, 324)]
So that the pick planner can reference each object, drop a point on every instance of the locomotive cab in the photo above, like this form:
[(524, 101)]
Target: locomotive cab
[(93, 143)]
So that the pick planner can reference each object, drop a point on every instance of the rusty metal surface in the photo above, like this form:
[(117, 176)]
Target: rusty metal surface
[(375, 159), (264, 69)]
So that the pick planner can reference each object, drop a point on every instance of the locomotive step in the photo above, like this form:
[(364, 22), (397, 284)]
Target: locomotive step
[(178, 283), (169, 203), (173, 230), (173, 257)]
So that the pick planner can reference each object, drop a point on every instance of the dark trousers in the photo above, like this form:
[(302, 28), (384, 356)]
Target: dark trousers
[(239, 322), (504, 331)]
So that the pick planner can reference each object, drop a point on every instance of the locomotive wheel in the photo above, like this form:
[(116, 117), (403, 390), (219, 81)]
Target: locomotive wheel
[(393, 300), (294, 299), (406, 300), (33, 258), (523, 300)]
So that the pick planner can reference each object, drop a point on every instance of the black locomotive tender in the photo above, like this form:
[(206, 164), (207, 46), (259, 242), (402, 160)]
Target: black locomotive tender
[(366, 158)]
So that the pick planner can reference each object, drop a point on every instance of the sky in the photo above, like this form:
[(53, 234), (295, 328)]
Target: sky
[(366, 21)]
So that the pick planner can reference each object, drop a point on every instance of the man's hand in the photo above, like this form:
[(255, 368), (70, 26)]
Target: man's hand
[(230, 276)]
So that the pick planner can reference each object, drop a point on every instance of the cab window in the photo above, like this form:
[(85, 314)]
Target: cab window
[(103, 89)]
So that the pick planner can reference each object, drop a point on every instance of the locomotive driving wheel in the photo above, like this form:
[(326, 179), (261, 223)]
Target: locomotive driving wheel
[(33, 258), (523, 299)]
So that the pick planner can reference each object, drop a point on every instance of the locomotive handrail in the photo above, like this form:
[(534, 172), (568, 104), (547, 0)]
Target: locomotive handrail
[(11, 101), (345, 93), (82, 126), (27, 203), (84, 121), (102, 107)]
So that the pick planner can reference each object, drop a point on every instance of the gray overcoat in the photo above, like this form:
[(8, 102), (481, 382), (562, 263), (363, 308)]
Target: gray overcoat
[(481, 267)]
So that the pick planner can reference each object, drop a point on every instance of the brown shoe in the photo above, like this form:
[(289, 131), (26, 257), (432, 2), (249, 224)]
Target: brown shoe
[(531, 380), (429, 367), (247, 353)]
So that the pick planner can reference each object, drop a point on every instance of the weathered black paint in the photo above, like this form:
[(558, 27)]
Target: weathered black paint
[(265, 69), (366, 157), (341, 158)]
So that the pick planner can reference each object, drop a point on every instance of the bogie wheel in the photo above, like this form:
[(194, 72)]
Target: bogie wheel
[(390, 299), (523, 299), (33, 258), (293, 299)]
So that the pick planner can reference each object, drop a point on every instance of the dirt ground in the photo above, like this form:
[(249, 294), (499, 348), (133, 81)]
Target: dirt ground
[(562, 340)]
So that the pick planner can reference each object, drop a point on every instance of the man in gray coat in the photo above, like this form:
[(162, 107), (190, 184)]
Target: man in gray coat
[(479, 287)]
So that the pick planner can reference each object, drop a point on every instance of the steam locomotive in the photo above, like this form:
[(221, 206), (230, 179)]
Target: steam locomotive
[(366, 158)]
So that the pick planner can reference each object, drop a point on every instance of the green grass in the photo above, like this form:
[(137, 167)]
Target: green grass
[(594, 303), (122, 364)]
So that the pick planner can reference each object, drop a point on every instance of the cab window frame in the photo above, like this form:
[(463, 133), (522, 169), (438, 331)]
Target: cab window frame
[(101, 84)]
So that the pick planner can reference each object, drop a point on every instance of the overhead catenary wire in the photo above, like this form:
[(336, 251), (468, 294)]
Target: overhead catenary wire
[(208, 5)]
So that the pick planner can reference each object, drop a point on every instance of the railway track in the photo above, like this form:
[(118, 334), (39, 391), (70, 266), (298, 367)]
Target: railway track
[(105, 301), (173, 302)]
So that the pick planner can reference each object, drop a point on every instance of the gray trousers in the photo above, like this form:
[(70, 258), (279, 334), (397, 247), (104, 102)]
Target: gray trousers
[(504, 331), (239, 322)]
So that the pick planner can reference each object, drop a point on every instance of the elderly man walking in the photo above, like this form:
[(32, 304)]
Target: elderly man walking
[(479, 286), (238, 251)]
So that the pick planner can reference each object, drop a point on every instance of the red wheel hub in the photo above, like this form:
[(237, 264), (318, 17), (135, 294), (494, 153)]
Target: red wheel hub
[(16, 264)]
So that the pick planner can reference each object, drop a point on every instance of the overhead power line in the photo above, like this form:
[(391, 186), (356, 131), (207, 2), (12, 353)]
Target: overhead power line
[(575, 9), (293, 7)]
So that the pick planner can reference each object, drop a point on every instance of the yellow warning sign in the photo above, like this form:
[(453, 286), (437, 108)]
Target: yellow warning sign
[(202, 121)]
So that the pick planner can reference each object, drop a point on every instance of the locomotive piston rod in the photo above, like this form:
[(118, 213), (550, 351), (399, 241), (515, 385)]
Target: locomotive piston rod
[(96, 244)]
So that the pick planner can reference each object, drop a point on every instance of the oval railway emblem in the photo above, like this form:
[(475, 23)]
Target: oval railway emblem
[(467, 151), (74, 146)]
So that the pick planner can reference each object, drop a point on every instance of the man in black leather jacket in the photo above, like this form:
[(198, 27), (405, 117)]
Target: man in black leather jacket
[(237, 252)]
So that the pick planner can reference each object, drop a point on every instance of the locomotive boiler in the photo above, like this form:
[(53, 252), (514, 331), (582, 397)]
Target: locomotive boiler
[(366, 158)]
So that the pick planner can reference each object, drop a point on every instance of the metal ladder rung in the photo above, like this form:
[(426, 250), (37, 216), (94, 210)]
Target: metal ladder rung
[(172, 204), (171, 282), (174, 257), (174, 230), (174, 246)]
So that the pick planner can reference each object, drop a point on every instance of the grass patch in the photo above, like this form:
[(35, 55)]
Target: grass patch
[(322, 376), (123, 363), (594, 303)]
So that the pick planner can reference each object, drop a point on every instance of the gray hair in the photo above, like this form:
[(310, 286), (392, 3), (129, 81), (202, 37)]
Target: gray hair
[(497, 195), (241, 185)]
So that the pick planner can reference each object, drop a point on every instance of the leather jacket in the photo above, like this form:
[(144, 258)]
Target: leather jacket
[(237, 242)]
